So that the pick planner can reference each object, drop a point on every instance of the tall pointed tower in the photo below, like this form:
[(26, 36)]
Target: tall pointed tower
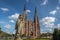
[(24, 19), (36, 22), (24, 15)]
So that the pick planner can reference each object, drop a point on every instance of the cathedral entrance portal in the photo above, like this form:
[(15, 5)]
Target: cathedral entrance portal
[(31, 34)]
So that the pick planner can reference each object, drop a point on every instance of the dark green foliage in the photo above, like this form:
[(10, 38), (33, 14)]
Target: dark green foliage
[(56, 34)]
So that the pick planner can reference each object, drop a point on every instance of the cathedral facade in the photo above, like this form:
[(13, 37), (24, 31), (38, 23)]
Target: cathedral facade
[(30, 28)]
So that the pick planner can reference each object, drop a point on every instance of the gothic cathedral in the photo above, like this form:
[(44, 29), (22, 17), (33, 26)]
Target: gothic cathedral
[(30, 28)]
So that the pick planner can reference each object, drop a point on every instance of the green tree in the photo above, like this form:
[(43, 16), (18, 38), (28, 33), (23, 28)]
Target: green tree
[(56, 34), (0, 27)]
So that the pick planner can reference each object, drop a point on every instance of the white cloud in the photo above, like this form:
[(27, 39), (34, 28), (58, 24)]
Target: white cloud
[(4, 9), (43, 31), (14, 32), (45, 2), (12, 21), (57, 7), (46, 30), (27, 0), (48, 21), (49, 30), (53, 12), (58, 26), (50, 25), (13, 17), (7, 26), (28, 11)]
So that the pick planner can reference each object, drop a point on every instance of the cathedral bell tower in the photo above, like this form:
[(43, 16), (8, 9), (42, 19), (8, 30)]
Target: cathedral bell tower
[(36, 22)]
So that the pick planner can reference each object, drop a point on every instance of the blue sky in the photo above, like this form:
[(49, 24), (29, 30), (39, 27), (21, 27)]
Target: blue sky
[(48, 13)]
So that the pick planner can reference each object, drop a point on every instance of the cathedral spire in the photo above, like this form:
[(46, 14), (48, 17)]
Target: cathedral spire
[(25, 15), (35, 15), (36, 22), (25, 18), (35, 12), (24, 7)]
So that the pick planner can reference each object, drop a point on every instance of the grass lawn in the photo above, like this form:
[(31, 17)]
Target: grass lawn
[(38, 39), (43, 39), (30, 39)]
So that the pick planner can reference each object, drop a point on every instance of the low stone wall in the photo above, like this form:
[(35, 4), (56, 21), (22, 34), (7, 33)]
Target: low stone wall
[(6, 38)]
